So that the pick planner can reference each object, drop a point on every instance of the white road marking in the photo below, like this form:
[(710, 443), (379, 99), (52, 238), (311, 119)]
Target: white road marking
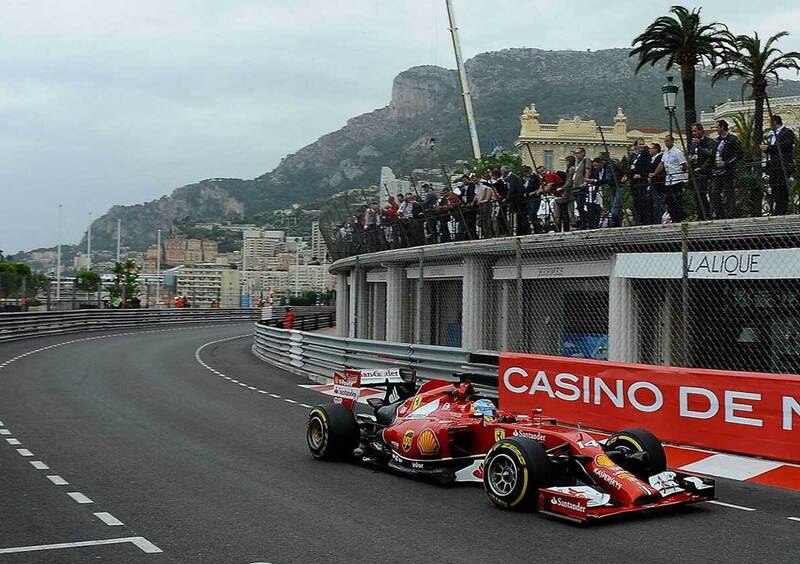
[(289, 400), (13, 441), (275, 396), (140, 542), (39, 465), (732, 506), (79, 497), (305, 405), (5, 432), (24, 452), (732, 467), (109, 519), (58, 480), (794, 519)]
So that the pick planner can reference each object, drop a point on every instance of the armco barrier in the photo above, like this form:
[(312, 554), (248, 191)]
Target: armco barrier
[(15, 326), (318, 356), (749, 413)]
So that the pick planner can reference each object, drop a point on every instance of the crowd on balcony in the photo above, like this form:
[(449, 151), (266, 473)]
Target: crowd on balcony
[(653, 184)]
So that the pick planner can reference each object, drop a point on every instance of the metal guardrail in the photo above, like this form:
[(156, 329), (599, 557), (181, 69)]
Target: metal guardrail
[(16, 325), (318, 356)]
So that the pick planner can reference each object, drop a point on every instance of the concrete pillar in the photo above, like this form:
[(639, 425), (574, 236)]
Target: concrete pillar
[(473, 297), (378, 311), (359, 305), (342, 305), (396, 295), (622, 322)]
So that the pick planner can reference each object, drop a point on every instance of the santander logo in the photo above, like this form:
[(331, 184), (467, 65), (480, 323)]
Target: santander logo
[(574, 506)]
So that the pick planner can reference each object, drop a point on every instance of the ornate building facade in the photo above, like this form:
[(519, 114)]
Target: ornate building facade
[(550, 143), (788, 107)]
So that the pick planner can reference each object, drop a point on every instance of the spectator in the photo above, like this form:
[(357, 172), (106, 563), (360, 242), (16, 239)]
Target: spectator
[(673, 165), (580, 186), (701, 155), (656, 182), (468, 189), (638, 169), (486, 208), (288, 319), (600, 176), (389, 222), (500, 191), (564, 201), (532, 188), (429, 203), (780, 163), (726, 157), (414, 216), (516, 198)]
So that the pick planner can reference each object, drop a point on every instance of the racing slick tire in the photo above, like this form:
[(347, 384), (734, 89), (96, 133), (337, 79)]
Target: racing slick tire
[(332, 432), (632, 441), (513, 471)]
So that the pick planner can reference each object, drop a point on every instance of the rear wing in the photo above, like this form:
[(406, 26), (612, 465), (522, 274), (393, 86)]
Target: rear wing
[(347, 386)]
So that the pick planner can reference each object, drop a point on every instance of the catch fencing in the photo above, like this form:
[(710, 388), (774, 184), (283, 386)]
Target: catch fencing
[(716, 294)]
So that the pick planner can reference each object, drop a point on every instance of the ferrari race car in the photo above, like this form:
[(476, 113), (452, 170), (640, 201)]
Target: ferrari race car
[(444, 431)]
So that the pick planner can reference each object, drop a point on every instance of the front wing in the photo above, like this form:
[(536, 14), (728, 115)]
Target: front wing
[(586, 504)]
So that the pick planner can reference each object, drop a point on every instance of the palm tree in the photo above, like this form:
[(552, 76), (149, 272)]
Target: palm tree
[(757, 65), (682, 40)]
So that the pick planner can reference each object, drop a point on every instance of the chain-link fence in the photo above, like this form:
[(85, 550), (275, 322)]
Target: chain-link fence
[(721, 294)]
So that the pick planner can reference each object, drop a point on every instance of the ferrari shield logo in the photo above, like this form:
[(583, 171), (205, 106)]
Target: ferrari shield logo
[(409, 435), (499, 434), (416, 403)]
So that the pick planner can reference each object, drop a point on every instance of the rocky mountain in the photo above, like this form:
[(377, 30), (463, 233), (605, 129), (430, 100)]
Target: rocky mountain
[(425, 103)]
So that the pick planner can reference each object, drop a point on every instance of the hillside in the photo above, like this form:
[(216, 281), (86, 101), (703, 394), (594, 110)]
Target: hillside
[(425, 103)]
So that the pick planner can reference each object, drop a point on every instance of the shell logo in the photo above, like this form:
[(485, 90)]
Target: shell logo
[(427, 443), (603, 460), (407, 440)]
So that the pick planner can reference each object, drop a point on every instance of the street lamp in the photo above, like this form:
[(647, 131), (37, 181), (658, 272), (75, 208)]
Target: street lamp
[(670, 93)]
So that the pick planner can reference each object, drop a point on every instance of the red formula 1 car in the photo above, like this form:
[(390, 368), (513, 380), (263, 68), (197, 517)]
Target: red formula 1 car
[(444, 431)]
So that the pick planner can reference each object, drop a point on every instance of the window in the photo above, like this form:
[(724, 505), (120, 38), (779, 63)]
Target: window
[(549, 160)]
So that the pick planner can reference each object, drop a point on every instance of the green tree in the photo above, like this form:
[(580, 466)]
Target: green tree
[(126, 282), (87, 281), (489, 162), (683, 40), (757, 64)]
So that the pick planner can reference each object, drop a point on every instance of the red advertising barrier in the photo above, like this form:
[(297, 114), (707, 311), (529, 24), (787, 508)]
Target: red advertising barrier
[(744, 412)]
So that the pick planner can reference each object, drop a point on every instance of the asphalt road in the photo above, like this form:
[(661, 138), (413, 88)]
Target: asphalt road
[(206, 462)]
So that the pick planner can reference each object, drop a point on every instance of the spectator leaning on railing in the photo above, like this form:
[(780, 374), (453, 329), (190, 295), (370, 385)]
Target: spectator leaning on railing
[(580, 187), (564, 201), (779, 150)]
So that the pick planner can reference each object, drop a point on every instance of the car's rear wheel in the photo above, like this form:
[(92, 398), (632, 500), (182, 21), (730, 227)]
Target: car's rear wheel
[(331, 432), (513, 471), (642, 453)]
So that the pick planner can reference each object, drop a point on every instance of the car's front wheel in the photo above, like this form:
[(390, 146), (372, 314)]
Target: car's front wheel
[(640, 452), (513, 471), (331, 432)]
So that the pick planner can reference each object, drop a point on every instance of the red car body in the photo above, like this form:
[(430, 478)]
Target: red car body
[(434, 433)]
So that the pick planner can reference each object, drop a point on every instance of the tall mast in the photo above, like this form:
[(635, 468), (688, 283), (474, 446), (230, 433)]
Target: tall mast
[(462, 77)]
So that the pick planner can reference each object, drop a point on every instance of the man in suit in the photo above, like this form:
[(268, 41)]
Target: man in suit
[(637, 173), (516, 197), (701, 155), (655, 183), (531, 185), (780, 163), (580, 186), (726, 159)]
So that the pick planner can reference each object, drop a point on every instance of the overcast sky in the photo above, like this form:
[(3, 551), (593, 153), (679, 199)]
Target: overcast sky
[(108, 102)]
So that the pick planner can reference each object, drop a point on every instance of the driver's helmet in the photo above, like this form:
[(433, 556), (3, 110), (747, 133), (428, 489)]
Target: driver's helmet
[(483, 407)]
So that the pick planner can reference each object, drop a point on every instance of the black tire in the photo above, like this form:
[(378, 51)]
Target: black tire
[(513, 471), (332, 432), (632, 441)]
